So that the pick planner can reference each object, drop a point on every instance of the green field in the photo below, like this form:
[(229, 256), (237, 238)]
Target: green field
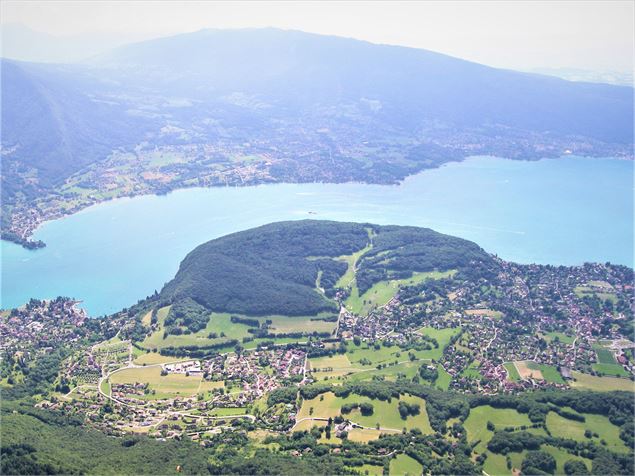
[(512, 372), (610, 369), (442, 336), (225, 330), (582, 291), (444, 379), (105, 386), (365, 351), (605, 356), (348, 278), (153, 358), (403, 465), (370, 469), (476, 423), (561, 457), (472, 371), (334, 366), (171, 384), (549, 372), (405, 369), (382, 292), (601, 384), (565, 428), (565, 339), (385, 414), (496, 465)]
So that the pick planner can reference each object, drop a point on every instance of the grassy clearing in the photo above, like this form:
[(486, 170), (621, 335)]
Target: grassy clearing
[(174, 384), (385, 413), (551, 374), (105, 386), (392, 372), (472, 371), (565, 339), (348, 278), (601, 384), (476, 423), (382, 292), (363, 435), (562, 457), (442, 336), (529, 369), (153, 358), (610, 369), (224, 329), (369, 353), (403, 465), (604, 355), (146, 320), (225, 411), (335, 366), (601, 292), (564, 428), (484, 312), (444, 379), (369, 469), (496, 465), (512, 372)]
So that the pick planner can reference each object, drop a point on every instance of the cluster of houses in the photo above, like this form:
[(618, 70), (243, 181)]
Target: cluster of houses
[(41, 325)]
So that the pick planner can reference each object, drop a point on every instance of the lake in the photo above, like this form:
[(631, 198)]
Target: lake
[(564, 211)]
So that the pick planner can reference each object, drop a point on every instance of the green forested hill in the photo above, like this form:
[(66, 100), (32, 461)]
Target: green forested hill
[(274, 269)]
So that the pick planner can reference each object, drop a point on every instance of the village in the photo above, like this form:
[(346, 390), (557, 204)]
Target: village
[(540, 317), (531, 327)]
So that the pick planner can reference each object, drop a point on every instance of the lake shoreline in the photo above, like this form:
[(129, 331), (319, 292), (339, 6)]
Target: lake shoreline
[(559, 212), (24, 239)]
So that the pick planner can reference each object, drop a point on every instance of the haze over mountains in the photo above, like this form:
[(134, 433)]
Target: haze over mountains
[(307, 107)]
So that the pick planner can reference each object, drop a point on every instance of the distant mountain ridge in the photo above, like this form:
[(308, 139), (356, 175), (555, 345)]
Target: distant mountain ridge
[(266, 105)]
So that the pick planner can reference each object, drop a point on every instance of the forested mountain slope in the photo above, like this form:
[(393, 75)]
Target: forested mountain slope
[(274, 269)]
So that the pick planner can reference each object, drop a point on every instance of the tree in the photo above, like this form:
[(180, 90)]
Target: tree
[(538, 460), (366, 408), (575, 466)]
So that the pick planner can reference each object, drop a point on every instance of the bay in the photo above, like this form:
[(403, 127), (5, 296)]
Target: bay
[(565, 211)]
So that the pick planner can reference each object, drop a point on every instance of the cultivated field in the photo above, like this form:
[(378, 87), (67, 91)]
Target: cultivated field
[(526, 371)]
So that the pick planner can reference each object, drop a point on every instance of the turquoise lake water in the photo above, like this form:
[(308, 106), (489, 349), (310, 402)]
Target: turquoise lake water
[(564, 211)]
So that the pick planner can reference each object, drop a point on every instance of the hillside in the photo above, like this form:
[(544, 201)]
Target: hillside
[(274, 269), (242, 107)]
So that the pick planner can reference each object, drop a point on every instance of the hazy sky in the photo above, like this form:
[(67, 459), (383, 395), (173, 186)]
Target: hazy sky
[(523, 35)]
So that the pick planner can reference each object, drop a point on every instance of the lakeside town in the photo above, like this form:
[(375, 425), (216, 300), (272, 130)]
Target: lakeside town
[(530, 327)]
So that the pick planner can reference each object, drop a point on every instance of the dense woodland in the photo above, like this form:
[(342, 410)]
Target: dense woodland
[(273, 269)]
